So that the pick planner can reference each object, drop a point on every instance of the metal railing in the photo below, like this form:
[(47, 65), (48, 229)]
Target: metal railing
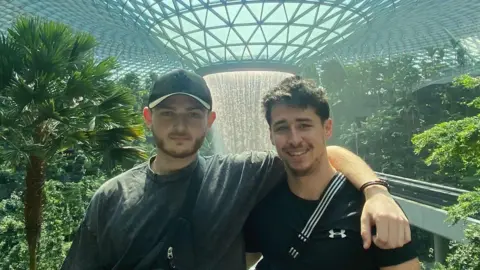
[(422, 192)]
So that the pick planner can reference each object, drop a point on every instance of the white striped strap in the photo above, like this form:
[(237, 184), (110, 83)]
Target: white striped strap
[(332, 189)]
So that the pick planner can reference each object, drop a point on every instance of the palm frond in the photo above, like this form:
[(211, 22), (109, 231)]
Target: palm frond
[(115, 137), (78, 85), (84, 43), (25, 32), (13, 157), (126, 157), (119, 98), (116, 117), (54, 95), (10, 61), (21, 93)]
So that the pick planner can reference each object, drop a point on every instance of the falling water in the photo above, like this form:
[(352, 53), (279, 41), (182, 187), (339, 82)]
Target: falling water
[(240, 124)]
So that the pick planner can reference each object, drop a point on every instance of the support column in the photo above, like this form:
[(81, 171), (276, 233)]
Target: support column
[(440, 248)]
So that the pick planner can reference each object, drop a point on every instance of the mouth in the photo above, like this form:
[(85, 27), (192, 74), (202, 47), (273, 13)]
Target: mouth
[(296, 153), (180, 138)]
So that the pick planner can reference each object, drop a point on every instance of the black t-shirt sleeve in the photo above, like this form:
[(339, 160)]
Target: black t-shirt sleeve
[(269, 171), (391, 257), (265, 169), (84, 252)]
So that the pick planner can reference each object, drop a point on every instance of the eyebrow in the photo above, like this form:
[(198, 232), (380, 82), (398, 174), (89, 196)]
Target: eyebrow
[(301, 120), (280, 122)]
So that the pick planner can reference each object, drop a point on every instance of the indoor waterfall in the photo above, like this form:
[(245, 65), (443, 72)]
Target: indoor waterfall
[(240, 124)]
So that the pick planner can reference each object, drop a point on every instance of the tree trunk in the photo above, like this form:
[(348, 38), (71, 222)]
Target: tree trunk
[(33, 205)]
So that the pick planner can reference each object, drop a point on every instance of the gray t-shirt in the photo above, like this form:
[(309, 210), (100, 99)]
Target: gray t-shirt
[(129, 214)]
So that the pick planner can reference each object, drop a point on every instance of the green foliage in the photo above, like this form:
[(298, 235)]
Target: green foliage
[(58, 97), (10, 181), (141, 92), (468, 206), (377, 108), (65, 205), (467, 81), (465, 256), (455, 146), (55, 96)]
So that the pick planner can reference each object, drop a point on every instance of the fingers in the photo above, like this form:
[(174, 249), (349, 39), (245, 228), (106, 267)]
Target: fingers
[(382, 224), (407, 231), (395, 236), (366, 231), (392, 231), (393, 228)]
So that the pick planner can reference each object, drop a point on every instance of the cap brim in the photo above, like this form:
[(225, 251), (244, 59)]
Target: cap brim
[(159, 100)]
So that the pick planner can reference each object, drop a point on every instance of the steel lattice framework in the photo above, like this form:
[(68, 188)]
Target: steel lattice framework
[(215, 35)]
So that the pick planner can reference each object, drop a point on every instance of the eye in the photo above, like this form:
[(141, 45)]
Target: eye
[(304, 126), (281, 128), (166, 113), (195, 115)]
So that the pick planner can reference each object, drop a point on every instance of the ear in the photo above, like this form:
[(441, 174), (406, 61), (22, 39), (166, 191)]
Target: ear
[(147, 117), (328, 127), (211, 118)]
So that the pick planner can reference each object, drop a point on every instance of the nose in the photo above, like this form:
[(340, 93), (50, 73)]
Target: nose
[(294, 138), (180, 124)]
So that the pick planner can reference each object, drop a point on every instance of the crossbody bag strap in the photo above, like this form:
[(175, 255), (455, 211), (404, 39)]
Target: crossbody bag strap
[(186, 210), (196, 180), (302, 238)]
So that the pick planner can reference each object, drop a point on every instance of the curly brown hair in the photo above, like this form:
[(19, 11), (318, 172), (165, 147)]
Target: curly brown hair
[(298, 92)]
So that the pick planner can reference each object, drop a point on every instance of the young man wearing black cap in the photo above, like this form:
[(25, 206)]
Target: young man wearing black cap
[(311, 220), (183, 211)]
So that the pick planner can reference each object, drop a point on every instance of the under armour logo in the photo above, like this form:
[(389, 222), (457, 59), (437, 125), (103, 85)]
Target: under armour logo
[(334, 234)]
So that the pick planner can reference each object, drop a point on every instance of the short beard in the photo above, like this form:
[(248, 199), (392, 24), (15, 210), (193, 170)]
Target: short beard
[(160, 143), (299, 173)]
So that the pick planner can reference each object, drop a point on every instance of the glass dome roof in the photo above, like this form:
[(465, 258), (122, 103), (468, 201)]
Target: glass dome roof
[(214, 35)]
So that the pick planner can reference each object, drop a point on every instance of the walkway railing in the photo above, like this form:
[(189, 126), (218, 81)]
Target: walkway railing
[(422, 192)]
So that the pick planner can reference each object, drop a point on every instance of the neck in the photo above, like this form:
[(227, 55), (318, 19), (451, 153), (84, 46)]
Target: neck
[(311, 186), (164, 164)]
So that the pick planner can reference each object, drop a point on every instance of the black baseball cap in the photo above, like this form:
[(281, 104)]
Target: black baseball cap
[(180, 82)]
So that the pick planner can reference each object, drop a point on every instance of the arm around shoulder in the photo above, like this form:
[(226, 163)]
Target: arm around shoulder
[(380, 208), (351, 165)]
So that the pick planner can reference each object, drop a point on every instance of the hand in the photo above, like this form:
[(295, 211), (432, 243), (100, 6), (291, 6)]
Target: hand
[(381, 210)]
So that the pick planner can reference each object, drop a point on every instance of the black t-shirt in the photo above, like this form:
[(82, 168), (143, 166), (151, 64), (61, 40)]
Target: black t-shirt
[(277, 226), (126, 221)]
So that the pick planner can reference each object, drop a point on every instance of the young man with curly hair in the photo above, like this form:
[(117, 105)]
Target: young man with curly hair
[(311, 220)]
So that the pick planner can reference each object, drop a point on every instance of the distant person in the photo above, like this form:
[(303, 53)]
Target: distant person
[(311, 219), (183, 211)]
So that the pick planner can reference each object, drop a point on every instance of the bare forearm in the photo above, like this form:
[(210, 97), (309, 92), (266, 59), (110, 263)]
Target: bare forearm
[(351, 165)]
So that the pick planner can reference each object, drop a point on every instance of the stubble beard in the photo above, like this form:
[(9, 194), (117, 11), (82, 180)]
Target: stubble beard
[(299, 173), (161, 145)]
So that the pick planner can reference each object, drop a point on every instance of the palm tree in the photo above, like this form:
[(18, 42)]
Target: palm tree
[(55, 96)]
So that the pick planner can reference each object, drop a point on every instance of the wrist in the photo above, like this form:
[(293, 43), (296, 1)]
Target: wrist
[(373, 190)]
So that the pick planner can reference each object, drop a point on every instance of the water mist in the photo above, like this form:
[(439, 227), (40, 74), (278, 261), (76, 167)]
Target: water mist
[(240, 124)]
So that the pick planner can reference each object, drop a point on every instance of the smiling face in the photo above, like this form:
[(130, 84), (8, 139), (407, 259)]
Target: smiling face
[(299, 136), (179, 125)]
